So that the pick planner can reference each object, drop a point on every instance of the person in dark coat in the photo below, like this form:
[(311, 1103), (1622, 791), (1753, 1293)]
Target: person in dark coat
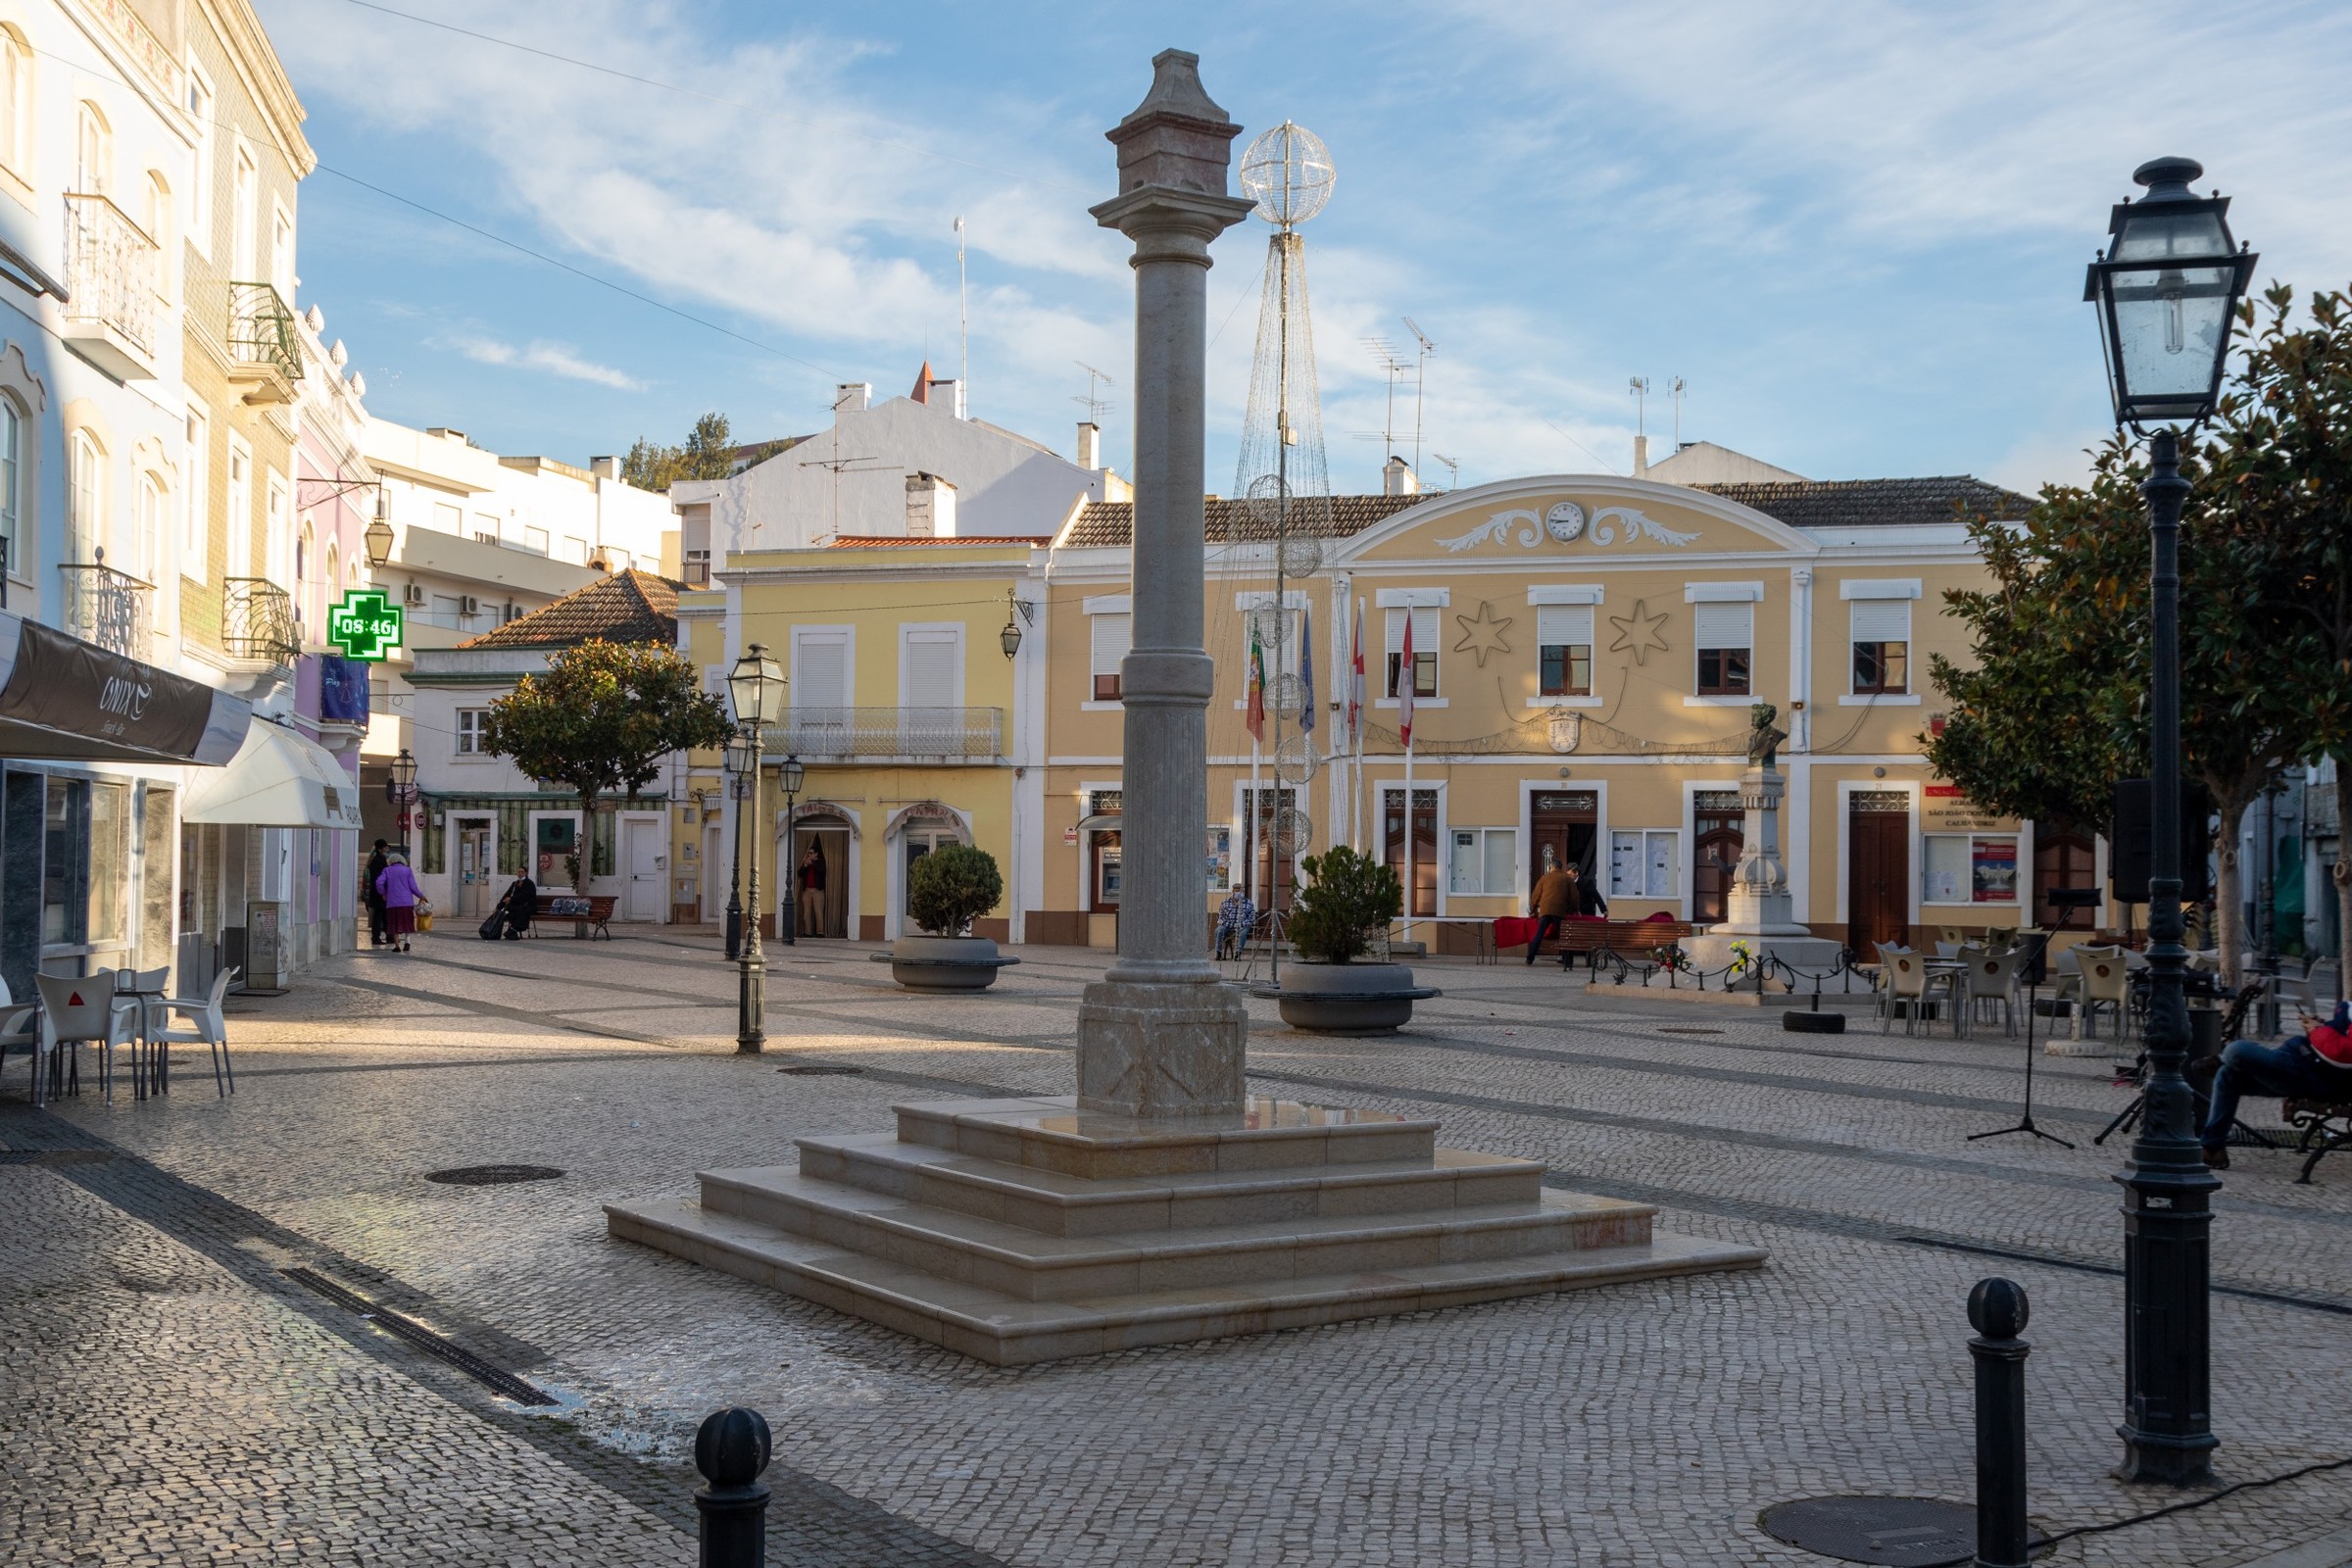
[(812, 874), (378, 932), (1587, 898), (517, 905)]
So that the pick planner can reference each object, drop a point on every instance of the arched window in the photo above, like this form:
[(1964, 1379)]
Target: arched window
[(85, 497), (157, 220), (305, 555), (152, 512), (16, 101), (332, 581), (94, 153), (12, 442)]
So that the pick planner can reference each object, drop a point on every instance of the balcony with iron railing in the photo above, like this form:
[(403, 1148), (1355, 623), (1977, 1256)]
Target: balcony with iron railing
[(107, 607), (920, 734), (265, 354), (113, 305), (257, 621)]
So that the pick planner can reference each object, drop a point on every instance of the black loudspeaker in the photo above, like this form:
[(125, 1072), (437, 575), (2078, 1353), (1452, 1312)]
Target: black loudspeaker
[(2130, 845)]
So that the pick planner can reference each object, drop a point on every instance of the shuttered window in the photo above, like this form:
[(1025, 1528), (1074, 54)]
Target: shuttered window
[(1724, 635), (1564, 650), (820, 670), (1114, 634), (1882, 638), (931, 669), (1425, 650)]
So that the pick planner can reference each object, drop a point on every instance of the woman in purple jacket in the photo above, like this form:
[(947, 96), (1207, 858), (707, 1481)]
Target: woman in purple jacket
[(398, 885)]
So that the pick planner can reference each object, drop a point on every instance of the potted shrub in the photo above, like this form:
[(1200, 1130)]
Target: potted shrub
[(947, 890), (1347, 898)]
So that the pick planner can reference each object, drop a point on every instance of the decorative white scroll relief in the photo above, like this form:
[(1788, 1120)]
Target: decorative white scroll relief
[(1528, 529)]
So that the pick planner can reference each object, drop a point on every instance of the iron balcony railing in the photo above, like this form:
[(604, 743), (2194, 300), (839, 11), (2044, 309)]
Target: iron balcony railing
[(257, 621), (111, 267), (261, 329), (928, 732), (107, 607)]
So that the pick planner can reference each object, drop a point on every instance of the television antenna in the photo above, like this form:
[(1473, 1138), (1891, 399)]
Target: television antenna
[(1638, 386), (1095, 404), (1383, 354), (1678, 386), (836, 465), (1420, 383), (963, 328), (1454, 470)]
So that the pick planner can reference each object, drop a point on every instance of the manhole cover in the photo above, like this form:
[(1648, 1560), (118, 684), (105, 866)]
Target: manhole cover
[(1901, 1531), (55, 1156), (492, 1175), (1677, 1029), (819, 1070)]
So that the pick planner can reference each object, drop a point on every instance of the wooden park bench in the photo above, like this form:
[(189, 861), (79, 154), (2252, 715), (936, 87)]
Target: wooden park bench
[(2325, 1125), (587, 912), (1625, 938)]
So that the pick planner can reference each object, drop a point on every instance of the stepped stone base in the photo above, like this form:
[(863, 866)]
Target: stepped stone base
[(1018, 1231)]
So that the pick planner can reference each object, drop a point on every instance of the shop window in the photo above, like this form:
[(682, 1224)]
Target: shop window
[(86, 863), (1970, 868), (1643, 865), (1483, 861)]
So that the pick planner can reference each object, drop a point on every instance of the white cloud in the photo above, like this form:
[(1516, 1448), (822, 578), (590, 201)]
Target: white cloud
[(553, 358)]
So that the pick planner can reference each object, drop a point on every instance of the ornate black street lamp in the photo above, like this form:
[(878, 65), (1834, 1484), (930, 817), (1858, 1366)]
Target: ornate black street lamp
[(789, 773), (742, 764), (2167, 289), (757, 686), (402, 791)]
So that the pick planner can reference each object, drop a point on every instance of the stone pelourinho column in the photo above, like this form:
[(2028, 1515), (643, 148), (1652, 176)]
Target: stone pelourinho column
[(1161, 1034)]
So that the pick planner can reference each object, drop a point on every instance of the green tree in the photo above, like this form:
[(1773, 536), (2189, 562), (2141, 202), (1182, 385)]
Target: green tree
[(951, 887), (2286, 480), (2055, 707), (1348, 896), (602, 717), (708, 453)]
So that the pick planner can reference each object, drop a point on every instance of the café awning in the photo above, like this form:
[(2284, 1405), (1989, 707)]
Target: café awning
[(65, 700), (279, 779)]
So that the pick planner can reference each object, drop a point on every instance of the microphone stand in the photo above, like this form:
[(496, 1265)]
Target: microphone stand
[(2024, 1120)]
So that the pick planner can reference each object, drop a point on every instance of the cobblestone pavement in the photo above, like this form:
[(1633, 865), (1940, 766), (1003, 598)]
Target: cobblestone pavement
[(173, 1395)]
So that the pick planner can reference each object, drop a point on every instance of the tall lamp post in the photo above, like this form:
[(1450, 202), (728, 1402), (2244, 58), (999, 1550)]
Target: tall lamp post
[(403, 790), (789, 773), (742, 764), (757, 686), (2167, 288)]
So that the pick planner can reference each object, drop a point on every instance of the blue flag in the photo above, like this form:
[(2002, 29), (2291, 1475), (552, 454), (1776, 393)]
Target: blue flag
[(1307, 670)]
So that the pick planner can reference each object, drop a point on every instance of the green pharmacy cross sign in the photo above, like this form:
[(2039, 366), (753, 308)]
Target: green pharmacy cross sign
[(365, 625)]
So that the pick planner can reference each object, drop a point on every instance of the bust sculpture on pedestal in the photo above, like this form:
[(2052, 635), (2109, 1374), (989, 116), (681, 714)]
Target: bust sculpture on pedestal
[(1760, 914)]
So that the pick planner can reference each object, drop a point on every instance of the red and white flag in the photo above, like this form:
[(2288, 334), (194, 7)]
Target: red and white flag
[(1405, 683), (1356, 680)]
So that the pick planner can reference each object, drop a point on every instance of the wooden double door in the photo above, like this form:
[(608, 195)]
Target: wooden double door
[(1877, 870)]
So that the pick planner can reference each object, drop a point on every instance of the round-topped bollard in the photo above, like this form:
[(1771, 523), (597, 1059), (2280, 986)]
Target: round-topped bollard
[(1997, 1309), (730, 1450)]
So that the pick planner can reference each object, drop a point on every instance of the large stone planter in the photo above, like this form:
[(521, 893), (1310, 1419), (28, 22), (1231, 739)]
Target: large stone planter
[(1347, 999), (944, 964)]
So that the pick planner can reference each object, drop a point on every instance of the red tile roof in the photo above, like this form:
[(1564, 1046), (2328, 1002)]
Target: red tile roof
[(628, 606), (1112, 522)]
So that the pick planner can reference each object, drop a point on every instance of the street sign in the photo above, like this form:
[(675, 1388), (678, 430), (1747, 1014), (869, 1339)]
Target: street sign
[(365, 625)]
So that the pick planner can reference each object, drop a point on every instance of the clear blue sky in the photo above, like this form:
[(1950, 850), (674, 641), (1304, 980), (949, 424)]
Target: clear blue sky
[(1857, 230)]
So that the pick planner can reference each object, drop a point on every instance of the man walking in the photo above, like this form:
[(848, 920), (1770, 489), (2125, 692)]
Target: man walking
[(1552, 900)]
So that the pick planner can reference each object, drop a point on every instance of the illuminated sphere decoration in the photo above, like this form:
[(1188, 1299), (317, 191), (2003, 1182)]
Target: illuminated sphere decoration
[(1288, 172)]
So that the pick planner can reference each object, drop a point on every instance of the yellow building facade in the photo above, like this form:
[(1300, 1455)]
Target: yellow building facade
[(1586, 652)]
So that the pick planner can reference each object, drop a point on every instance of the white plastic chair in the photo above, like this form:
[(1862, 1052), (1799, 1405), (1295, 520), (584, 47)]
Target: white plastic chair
[(75, 1008), (18, 1026), (2106, 982), (1908, 980), (1990, 977), (205, 1027)]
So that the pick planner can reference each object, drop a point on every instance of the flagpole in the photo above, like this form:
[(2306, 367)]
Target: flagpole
[(1408, 829)]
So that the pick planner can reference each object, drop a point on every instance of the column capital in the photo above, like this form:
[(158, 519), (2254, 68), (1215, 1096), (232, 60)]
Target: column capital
[(1171, 225)]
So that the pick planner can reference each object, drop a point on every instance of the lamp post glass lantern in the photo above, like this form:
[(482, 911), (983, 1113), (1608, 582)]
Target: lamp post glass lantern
[(756, 686), (378, 534), (404, 791), (2167, 290), (790, 774)]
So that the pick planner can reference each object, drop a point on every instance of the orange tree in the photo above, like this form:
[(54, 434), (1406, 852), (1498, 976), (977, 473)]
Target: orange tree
[(601, 719)]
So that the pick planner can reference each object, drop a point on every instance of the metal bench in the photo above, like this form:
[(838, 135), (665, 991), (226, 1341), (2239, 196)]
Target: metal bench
[(2325, 1126), (587, 912)]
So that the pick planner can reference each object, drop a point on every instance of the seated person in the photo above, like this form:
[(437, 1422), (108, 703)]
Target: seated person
[(519, 904), (1237, 919), (2315, 1064)]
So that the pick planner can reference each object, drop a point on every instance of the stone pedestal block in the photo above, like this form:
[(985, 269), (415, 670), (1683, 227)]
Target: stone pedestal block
[(1152, 1050)]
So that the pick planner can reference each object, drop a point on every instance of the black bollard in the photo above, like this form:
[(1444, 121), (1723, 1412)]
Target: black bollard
[(1996, 1310), (730, 1451)]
